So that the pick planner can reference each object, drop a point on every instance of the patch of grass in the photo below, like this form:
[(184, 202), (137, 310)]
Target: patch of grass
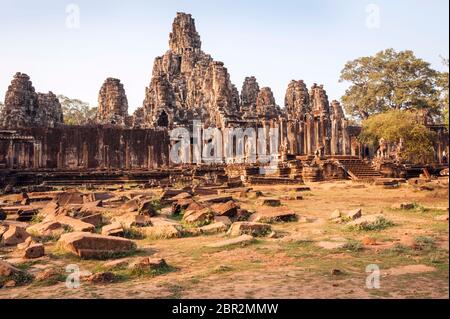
[(380, 223), (353, 246), (222, 268), (425, 243), (157, 206), (21, 278), (27, 265), (59, 276), (175, 291), (133, 233), (127, 274), (36, 219), (396, 250)]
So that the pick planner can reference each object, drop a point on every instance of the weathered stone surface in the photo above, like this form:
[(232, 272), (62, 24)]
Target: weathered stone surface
[(319, 99), (114, 229), (228, 209), (112, 103), (51, 209), (214, 228), (21, 104), (7, 270), (187, 84), (131, 206), (184, 205), (50, 112), (249, 228), (69, 198), (31, 250), (75, 224), (297, 100), (242, 215), (354, 214), (148, 263), (95, 219), (162, 231), (14, 235), (249, 96), (181, 196), (101, 278), (46, 229), (26, 108), (208, 200), (48, 274), (3, 230), (267, 201), (91, 208), (223, 219), (3, 215), (133, 220), (203, 216), (336, 214), (265, 104), (88, 245), (273, 215), (146, 208)]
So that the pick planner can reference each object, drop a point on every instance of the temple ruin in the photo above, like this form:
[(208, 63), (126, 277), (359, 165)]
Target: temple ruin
[(314, 138)]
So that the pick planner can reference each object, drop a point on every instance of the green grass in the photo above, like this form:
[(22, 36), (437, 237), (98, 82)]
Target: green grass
[(21, 278), (380, 223), (133, 233), (126, 274), (59, 276), (425, 243), (353, 246)]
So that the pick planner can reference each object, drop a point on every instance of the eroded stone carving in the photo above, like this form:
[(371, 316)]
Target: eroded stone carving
[(188, 84), (112, 103), (26, 108)]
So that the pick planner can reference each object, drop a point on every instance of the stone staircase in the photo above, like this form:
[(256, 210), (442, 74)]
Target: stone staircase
[(356, 168)]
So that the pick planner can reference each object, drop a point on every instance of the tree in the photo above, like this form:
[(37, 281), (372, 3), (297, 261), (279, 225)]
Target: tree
[(396, 125), (443, 85), (76, 112), (389, 80)]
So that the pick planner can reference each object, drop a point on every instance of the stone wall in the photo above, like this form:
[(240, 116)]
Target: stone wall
[(84, 147)]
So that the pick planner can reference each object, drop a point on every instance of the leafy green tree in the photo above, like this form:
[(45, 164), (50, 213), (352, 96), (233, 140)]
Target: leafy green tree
[(444, 91), (389, 80), (396, 125), (76, 112)]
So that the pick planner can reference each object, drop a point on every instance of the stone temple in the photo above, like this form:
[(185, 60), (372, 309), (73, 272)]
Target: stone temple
[(314, 139)]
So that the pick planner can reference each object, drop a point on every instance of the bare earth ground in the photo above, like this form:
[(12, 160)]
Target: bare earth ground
[(293, 266)]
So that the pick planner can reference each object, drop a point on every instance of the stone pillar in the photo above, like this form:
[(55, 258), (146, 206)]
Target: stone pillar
[(85, 155)]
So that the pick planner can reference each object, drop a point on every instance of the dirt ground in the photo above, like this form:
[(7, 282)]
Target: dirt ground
[(307, 260)]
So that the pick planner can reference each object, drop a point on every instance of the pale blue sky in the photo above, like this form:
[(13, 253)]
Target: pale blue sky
[(276, 41)]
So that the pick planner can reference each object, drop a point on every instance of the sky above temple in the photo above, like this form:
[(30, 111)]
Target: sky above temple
[(276, 41)]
